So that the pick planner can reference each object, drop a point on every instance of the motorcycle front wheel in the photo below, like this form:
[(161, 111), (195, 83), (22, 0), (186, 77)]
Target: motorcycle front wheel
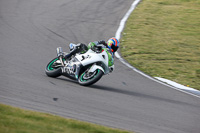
[(53, 68), (86, 78)]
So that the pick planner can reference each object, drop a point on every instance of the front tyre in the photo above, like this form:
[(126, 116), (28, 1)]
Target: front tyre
[(53, 68), (87, 79)]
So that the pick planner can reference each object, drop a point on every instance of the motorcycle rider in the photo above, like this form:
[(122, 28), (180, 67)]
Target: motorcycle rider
[(112, 45)]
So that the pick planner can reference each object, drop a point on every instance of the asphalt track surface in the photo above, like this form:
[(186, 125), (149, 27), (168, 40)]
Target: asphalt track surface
[(30, 32)]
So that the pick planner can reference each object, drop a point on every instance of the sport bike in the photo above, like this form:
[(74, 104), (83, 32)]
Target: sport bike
[(87, 68)]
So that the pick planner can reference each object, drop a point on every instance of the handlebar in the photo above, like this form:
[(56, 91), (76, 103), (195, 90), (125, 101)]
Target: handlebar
[(96, 49)]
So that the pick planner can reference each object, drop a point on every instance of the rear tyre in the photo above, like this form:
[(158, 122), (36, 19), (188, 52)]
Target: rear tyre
[(53, 68), (87, 79)]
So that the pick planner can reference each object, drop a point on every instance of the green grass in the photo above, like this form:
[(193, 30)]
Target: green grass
[(162, 38), (15, 120)]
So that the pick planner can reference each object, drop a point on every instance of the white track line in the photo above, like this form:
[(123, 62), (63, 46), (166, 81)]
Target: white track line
[(170, 84)]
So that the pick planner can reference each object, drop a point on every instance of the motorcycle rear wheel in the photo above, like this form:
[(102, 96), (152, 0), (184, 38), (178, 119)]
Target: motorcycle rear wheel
[(52, 69), (86, 79)]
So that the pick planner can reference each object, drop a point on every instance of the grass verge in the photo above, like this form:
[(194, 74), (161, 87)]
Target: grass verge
[(162, 39), (15, 120)]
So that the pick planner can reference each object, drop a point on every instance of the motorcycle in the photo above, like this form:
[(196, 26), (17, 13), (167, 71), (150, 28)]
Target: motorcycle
[(87, 68)]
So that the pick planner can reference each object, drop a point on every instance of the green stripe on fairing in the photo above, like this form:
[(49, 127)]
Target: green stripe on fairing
[(110, 59)]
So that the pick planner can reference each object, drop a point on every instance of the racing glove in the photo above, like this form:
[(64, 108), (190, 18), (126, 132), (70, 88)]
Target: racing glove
[(102, 42)]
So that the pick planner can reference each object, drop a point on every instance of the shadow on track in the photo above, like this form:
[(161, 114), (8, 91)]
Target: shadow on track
[(136, 94), (128, 92), (67, 79)]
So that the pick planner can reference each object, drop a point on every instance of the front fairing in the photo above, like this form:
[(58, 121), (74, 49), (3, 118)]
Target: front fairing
[(110, 57), (91, 57)]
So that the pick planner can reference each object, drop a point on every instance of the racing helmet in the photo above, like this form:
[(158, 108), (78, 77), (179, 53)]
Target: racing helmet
[(113, 44)]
